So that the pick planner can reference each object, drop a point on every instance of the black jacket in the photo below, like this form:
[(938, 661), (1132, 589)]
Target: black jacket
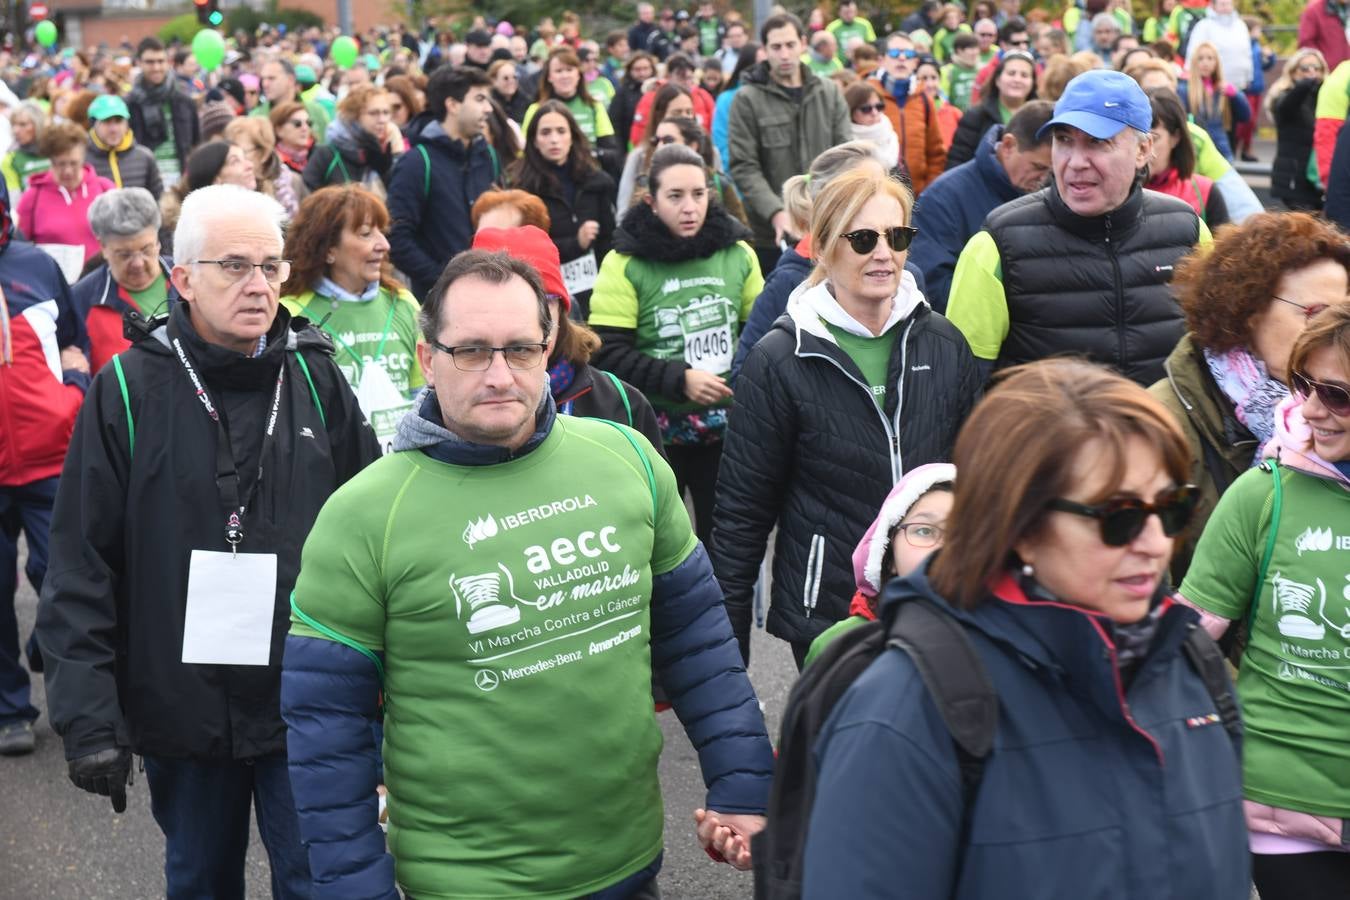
[(350, 155), (623, 108), (1096, 286), (126, 521), (1295, 117), (808, 450), (971, 129), (187, 129), (592, 200), (515, 106), (594, 395)]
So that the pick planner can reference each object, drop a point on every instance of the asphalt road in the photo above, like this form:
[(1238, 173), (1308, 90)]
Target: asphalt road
[(59, 843)]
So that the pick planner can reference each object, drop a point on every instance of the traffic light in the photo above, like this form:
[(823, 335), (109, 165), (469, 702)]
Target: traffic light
[(208, 12)]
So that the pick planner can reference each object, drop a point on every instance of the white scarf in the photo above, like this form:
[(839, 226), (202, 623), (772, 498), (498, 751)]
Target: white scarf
[(883, 135)]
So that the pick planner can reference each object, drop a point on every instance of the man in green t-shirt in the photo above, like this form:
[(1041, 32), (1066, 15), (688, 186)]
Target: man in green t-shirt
[(848, 26), (504, 585)]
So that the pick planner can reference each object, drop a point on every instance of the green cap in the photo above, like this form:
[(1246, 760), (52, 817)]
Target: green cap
[(305, 74), (108, 107)]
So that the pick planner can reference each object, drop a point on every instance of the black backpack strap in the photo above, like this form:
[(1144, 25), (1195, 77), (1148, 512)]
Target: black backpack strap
[(956, 679), (1207, 660)]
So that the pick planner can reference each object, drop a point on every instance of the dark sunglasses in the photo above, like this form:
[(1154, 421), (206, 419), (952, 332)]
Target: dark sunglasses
[(1334, 397), (1124, 518), (871, 108), (864, 240), (1024, 42), (298, 123), (897, 53)]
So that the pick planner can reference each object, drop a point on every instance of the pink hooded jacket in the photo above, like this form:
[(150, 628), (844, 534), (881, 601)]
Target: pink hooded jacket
[(1292, 446), (49, 214)]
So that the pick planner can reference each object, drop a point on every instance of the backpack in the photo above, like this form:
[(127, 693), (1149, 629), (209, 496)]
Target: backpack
[(1186, 20), (966, 700)]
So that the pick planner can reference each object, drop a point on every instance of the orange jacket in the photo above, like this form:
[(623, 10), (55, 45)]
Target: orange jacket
[(920, 136)]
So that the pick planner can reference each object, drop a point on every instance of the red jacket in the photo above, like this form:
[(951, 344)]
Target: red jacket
[(38, 401), (703, 111), (1321, 30), (101, 303)]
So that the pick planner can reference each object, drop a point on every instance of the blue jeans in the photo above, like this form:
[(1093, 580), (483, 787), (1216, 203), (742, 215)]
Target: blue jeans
[(202, 806), (26, 508)]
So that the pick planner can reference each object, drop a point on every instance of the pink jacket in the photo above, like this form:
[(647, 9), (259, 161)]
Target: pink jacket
[(49, 214), (1292, 446)]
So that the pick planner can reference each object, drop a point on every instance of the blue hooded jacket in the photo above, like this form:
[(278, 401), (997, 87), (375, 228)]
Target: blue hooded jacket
[(431, 191), (952, 209), (1091, 790)]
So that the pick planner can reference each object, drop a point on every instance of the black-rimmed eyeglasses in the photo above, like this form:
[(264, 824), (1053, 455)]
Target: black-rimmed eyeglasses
[(476, 358)]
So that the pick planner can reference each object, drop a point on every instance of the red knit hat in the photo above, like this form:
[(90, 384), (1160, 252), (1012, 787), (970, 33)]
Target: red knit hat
[(529, 244)]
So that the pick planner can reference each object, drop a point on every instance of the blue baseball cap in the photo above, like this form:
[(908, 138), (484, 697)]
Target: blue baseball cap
[(1102, 103)]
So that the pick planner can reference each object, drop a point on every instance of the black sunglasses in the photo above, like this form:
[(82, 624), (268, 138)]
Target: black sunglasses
[(1334, 397), (1123, 519), (864, 240), (871, 108)]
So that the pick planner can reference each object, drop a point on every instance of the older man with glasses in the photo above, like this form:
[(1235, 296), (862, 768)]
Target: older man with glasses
[(134, 277), (198, 463)]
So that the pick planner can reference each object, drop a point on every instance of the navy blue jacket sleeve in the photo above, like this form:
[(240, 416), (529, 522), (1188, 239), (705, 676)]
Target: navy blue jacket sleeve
[(939, 241), (406, 200), (770, 304), (883, 765), (699, 664), (1338, 182), (329, 700)]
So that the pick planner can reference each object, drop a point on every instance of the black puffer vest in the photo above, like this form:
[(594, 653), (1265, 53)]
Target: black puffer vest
[(1093, 286)]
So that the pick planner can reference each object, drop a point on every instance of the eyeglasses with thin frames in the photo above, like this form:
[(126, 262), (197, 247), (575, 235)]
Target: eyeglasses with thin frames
[(274, 271), (474, 358), (1309, 309), (921, 535)]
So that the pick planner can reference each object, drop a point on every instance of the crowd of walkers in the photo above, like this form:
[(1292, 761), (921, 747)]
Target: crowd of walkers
[(395, 440)]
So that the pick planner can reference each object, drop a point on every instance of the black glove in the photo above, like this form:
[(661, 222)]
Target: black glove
[(106, 772)]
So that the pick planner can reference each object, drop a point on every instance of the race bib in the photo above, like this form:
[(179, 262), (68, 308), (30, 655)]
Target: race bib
[(383, 404), (707, 326), (579, 274)]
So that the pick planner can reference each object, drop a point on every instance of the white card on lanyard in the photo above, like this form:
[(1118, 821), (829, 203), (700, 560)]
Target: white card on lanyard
[(231, 600)]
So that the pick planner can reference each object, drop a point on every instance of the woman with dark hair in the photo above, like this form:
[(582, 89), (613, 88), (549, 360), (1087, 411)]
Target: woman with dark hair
[(1012, 84), (672, 101), (1112, 737), (558, 168), (689, 132), (506, 89), (1246, 300), (405, 100), (1171, 170), (640, 68), (362, 144), (1292, 104), (1267, 560), (561, 80), (750, 54), (669, 304), (341, 279), (215, 162)]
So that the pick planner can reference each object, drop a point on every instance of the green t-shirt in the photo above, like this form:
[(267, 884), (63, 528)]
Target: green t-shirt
[(872, 356), (381, 332), (709, 38), (512, 605), (166, 154), (602, 89), (690, 310), (958, 82), (845, 31), (151, 300), (1294, 682)]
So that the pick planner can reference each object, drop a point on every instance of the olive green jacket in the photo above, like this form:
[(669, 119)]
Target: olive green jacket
[(1221, 447)]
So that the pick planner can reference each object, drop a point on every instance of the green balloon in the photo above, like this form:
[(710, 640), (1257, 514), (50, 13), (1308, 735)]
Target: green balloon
[(344, 52), (45, 32), (209, 48)]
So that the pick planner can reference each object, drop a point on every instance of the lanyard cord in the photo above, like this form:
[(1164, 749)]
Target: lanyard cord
[(384, 337), (227, 472)]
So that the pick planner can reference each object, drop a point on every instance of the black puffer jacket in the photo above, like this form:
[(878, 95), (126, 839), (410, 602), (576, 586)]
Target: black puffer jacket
[(127, 519), (1093, 286), (352, 155), (808, 450), (1295, 115)]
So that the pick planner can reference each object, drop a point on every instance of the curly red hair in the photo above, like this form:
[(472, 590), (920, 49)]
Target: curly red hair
[(1222, 288)]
